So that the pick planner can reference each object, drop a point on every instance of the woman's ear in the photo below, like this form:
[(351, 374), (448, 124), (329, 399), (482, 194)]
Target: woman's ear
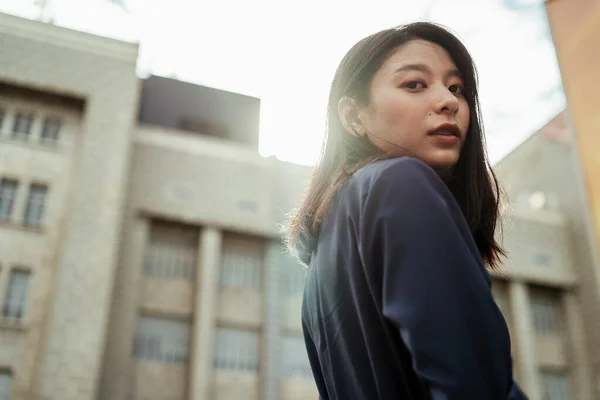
[(348, 113)]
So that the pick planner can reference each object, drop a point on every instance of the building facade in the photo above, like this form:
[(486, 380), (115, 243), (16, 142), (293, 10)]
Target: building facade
[(140, 254), (68, 104), (544, 289)]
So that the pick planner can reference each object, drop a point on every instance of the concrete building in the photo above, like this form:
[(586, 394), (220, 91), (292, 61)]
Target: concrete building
[(69, 104), (544, 289), (138, 258), (139, 239)]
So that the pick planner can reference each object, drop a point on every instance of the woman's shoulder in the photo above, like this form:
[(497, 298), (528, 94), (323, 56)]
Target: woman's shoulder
[(400, 169), (388, 183)]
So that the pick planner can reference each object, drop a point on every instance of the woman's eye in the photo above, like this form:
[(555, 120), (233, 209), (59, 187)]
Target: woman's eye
[(414, 85), (457, 89)]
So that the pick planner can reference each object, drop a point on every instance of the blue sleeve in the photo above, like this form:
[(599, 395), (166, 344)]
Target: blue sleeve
[(434, 288)]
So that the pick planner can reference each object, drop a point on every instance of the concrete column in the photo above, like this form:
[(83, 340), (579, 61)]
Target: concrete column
[(118, 377), (524, 339), (202, 341), (579, 363), (271, 322)]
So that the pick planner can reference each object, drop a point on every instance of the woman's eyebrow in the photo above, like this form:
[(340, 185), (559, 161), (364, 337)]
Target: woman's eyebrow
[(414, 67), (454, 73)]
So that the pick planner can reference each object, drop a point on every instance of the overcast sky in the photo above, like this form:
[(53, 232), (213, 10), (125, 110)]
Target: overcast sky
[(286, 54)]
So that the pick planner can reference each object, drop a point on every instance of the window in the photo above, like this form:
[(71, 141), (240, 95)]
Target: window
[(543, 259), (241, 263), (5, 385), (22, 125), (162, 339), (8, 191), (16, 295), (34, 210), (554, 386), (499, 303), (292, 278), (544, 317), (171, 251), (236, 349), (51, 129), (539, 200), (2, 115), (294, 360)]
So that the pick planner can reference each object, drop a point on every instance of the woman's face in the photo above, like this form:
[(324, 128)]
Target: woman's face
[(417, 106)]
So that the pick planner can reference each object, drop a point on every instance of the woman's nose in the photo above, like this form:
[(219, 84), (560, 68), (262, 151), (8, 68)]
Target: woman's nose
[(446, 102)]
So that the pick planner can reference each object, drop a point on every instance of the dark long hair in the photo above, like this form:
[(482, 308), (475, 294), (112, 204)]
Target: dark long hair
[(473, 183)]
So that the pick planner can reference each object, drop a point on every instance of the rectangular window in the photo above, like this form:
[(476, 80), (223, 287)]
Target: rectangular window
[(236, 349), (554, 386), (22, 125), (292, 275), (5, 385), (242, 263), (2, 115), (544, 316), (16, 295), (294, 359), (171, 251), (543, 259), (34, 210), (51, 129), (162, 339), (8, 192)]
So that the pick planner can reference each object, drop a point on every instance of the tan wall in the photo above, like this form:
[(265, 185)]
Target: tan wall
[(298, 389), (33, 249), (291, 316), (575, 26), (240, 306), (199, 181), (167, 381), (209, 181), (168, 296), (550, 351), (547, 162), (527, 237), (236, 385)]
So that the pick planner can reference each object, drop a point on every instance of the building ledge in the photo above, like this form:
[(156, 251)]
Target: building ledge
[(51, 34), (13, 224), (9, 325), (198, 144), (553, 278), (52, 146), (554, 218)]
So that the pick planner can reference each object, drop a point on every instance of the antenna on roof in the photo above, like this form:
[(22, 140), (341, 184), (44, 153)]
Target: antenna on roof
[(43, 11)]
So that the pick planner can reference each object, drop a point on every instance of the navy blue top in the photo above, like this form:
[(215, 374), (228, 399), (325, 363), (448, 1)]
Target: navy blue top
[(397, 302)]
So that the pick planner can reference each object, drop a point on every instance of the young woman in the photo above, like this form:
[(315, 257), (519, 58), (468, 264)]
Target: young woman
[(397, 229)]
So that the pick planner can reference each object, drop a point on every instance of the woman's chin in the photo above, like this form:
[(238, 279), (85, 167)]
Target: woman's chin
[(442, 160)]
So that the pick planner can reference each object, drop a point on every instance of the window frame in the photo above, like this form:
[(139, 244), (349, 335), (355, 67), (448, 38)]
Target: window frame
[(7, 312), (164, 344), (250, 363), (7, 372), (27, 221), (548, 376), (59, 124), (248, 274), (19, 116), (11, 207), (545, 316)]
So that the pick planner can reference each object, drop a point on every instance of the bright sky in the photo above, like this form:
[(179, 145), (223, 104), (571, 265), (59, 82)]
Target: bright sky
[(286, 54)]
